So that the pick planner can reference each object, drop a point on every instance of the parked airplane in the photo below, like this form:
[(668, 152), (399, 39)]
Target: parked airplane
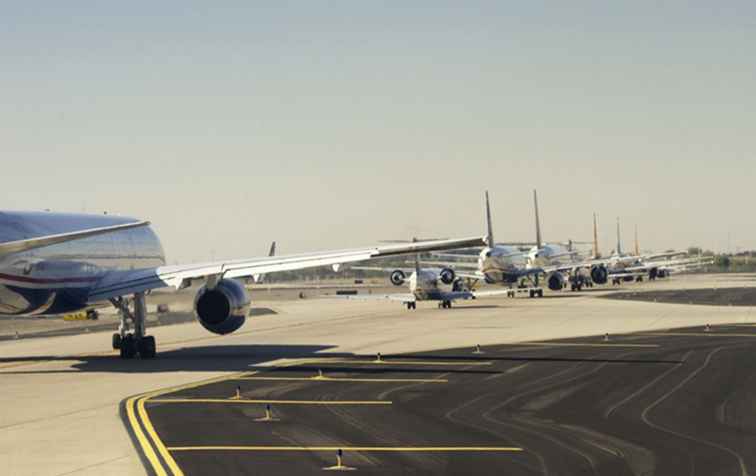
[(56, 263), (425, 284)]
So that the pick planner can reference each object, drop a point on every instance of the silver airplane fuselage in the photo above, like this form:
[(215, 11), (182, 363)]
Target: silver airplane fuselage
[(424, 284), (58, 278), (502, 263), (552, 255)]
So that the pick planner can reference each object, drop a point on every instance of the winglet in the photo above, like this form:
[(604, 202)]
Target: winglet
[(489, 223), (637, 245), (47, 240), (272, 251), (539, 242)]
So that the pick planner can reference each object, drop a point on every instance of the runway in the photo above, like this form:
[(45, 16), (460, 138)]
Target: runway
[(673, 403), (65, 394)]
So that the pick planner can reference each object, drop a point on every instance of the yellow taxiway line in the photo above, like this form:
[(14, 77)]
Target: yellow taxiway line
[(393, 449), (346, 379), (272, 402), (136, 413), (385, 361), (695, 334)]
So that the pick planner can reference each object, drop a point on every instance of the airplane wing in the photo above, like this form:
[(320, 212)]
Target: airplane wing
[(451, 264), (379, 269), (405, 297), (490, 293), (39, 242), (119, 283), (455, 256)]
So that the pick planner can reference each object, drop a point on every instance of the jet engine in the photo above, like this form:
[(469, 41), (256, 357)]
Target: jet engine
[(556, 281), (222, 309), (447, 276), (397, 277), (599, 274)]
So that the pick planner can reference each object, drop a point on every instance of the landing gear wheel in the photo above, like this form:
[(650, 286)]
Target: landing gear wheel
[(128, 347), (540, 293), (117, 341), (147, 348), (447, 304)]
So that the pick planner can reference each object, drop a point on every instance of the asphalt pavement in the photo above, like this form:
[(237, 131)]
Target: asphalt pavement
[(672, 402)]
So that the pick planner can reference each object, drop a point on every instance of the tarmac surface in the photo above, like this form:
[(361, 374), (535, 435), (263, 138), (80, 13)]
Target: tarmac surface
[(62, 397), (673, 403), (735, 296)]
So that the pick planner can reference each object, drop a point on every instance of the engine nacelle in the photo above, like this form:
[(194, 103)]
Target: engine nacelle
[(599, 274), (223, 309), (447, 276), (556, 281), (397, 277)]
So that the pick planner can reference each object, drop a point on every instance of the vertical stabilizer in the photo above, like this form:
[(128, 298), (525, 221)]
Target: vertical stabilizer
[(637, 245), (619, 240), (417, 260), (539, 241), (489, 232), (596, 252), (272, 251)]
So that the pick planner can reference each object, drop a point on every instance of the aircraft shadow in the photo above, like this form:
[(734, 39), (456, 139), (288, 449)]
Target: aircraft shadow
[(221, 358), (515, 358)]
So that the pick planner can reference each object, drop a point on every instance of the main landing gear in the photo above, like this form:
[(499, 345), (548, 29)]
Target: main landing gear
[(411, 305), (445, 305), (133, 343), (538, 292)]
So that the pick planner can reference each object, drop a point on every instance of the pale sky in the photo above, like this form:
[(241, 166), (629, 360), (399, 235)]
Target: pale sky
[(337, 124)]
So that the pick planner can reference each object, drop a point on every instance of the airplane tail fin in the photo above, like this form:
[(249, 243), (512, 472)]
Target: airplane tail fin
[(539, 241), (489, 224), (637, 245), (596, 252), (259, 278), (619, 240), (417, 260)]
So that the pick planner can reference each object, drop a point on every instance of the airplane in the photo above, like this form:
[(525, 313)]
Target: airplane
[(496, 263), (424, 285), (509, 264), (58, 263), (620, 266), (561, 264)]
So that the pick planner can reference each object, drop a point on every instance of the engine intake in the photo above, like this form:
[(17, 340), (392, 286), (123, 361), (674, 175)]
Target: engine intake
[(397, 277), (599, 274), (447, 276), (223, 309), (556, 281)]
